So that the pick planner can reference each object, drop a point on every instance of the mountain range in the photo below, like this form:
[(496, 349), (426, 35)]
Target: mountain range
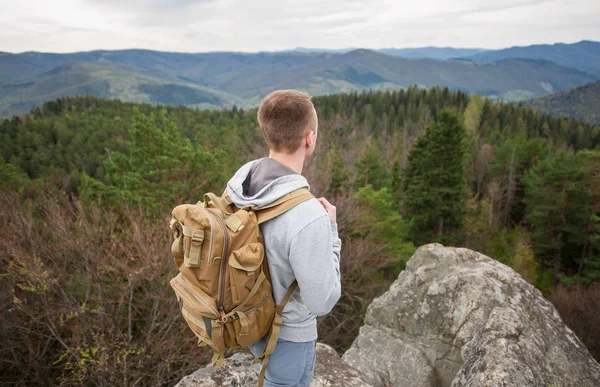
[(582, 103), (419, 52), (584, 55), (222, 79)]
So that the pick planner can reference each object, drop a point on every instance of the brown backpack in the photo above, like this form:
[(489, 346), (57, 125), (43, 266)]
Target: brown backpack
[(223, 286)]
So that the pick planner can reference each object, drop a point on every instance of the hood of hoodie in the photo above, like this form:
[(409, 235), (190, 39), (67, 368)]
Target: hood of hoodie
[(261, 182)]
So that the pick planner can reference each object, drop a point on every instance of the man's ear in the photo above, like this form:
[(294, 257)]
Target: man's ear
[(309, 138)]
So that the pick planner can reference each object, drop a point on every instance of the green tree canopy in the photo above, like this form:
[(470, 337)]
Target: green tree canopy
[(434, 183)]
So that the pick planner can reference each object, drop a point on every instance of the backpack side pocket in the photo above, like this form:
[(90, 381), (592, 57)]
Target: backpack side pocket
[(244, 268)]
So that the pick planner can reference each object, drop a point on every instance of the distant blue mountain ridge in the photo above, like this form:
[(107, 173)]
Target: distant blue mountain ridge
[(222, 79), (420, 52), (584, 55)]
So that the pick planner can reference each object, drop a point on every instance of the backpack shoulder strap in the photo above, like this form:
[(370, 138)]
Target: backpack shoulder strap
[(283, 204)]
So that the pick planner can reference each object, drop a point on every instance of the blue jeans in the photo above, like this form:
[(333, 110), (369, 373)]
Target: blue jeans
[(291, 364)]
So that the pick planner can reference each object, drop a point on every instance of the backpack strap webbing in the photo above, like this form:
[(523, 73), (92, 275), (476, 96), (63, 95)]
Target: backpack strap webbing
[(283, 204), (279, 206), (212, 198), (274, 334)]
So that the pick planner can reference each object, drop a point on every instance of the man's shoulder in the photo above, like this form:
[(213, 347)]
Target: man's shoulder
[(310, 209), (300, 216)]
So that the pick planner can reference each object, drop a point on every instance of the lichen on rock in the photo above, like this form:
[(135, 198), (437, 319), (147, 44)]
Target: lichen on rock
[(456, 317), (238, 371)]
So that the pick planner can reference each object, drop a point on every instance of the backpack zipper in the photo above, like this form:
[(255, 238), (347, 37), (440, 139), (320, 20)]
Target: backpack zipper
[(182, 282), (224, 259)]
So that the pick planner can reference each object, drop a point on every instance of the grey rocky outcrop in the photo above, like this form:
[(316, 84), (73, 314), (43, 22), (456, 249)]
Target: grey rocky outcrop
[(238, 371), (455, 317)]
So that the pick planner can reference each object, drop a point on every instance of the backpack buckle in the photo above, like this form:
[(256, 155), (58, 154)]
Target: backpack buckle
[(195, 252), (198, 236)]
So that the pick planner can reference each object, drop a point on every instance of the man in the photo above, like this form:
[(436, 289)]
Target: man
[(301, 244)]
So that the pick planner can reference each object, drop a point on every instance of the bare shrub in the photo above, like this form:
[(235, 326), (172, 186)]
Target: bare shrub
[(580, 309), (362, 271), (85, 297)]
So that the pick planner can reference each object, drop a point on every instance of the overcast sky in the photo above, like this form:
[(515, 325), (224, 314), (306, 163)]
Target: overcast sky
[(267, 25)]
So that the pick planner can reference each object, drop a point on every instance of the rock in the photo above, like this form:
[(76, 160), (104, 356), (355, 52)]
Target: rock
[(455, 317), (332, 371), (238, 371)]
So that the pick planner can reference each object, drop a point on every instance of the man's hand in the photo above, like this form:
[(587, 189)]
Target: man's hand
[(330, 208)]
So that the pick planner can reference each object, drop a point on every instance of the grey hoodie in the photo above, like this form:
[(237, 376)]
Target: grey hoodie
[(300, 244)]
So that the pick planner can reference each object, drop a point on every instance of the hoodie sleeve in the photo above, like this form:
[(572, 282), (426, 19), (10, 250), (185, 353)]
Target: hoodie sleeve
[(315, 260)]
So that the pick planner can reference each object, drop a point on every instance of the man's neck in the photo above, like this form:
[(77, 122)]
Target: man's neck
[(294, 161)]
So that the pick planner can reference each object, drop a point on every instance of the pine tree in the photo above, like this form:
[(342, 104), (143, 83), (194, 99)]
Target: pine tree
[(589, 264), (435, 189), (513, 157), (379, 221), (556, 199), (370, 170), (339, 173), (163, 168), (396, 187)]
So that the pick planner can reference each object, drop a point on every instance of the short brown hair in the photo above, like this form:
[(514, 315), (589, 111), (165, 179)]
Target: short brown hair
[(285, 117)]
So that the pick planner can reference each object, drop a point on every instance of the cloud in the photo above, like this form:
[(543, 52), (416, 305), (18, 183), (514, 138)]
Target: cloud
[(220, 25), (494, 7), (55, 27)]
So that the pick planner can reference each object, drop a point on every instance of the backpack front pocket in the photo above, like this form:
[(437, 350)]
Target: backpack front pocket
[(194, 299), (253, 324), (244, 269), (198, 309)]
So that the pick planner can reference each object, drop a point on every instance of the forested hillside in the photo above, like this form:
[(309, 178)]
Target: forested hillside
[(87, 185), (224, 79), (105, 81), (581, 103)]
